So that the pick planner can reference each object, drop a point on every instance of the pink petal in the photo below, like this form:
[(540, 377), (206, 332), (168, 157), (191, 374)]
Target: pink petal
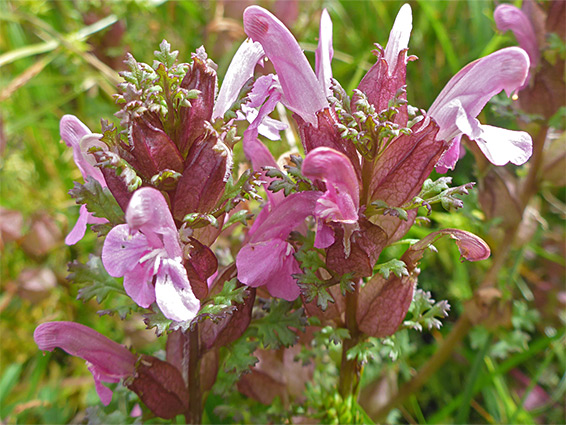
[(501, 146), (241, 69), (85, 162), (342, 198), (450, 156), (298, 81), (324, 236), (138, 284), (149, 212), (79, 228), (107, 360), (475, 85), (399, 36), (122, 251), (284, 285), (286, 216), (269, 263), (508, 17), (324, 53), (173, 292), (72, 130), (104, 393)]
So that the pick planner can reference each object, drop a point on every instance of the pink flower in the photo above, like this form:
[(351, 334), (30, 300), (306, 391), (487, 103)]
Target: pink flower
[(77, 136), (302, 92), (106, 360), (148, 247), (267, 259), (460, 102)]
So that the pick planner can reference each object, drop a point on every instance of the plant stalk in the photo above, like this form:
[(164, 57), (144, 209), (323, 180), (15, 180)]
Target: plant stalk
[(350, 369), (191, 353), (464, 325)]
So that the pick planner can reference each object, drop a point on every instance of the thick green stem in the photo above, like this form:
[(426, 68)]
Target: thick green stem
[(350, 370)]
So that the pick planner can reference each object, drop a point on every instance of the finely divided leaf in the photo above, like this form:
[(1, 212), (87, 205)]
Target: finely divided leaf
[(98, 200)]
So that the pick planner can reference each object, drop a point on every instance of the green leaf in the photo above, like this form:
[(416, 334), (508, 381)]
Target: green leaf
[(94, 280), (238, 359), (397, 267), (274, 328), (224, 300), (157, 320), (241, 216), (98, 200), (197, 220), (425, 312), (363, 351), (165, 55)]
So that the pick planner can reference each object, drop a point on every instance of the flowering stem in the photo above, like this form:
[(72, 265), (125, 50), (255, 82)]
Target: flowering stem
[(464, 324), (194, 414), (350, 369)]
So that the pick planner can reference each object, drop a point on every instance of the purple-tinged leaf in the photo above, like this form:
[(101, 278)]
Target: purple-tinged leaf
[(153, 149), (200, 265), (383, 303), (400, 172), (201, 76), (231, 327), (160, 386), (326, 134), (203, 181), (365, 246)]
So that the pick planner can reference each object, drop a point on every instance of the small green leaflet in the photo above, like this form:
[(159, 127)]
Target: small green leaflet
[(98, 200)]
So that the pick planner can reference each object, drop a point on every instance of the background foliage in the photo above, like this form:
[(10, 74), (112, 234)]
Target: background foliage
[(61, 57)]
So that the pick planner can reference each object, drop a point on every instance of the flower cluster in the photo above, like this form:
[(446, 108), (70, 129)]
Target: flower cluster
[(168, 173)]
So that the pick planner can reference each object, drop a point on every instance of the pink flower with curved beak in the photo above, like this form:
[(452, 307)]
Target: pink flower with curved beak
[(78, 136), (107, 360), (267, 259), (302, 91), (148, 247), (462, 99)]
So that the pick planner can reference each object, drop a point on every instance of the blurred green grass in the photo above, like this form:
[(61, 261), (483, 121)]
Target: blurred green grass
[(61, 57)]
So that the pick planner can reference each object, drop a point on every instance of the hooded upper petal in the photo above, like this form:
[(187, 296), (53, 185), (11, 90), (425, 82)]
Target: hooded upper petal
[(241, 69), (341, 200), (149, 212), (324, 53), (460, 102), (301, 90), (108, 361), (72, 132), (509, 17), (399, 36), (475, 84)]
